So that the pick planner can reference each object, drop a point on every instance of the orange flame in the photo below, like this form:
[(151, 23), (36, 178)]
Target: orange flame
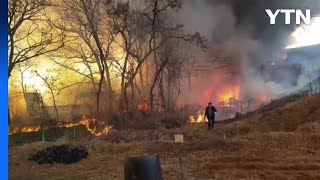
[(91, 125), (25, 130), (229, 92), (199, 119), (143, 106)]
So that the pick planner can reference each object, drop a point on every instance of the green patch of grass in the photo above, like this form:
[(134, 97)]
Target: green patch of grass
[(51, 135)]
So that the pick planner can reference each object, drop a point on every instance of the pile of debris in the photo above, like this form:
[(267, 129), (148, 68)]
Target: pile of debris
[(64, 154)]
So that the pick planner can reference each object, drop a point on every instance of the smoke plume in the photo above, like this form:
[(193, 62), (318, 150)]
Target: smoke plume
[(240, 30)]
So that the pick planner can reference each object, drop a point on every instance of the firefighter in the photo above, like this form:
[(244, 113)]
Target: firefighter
[(210, 114)]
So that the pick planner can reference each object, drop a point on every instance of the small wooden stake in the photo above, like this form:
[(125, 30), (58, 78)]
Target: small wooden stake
[(178, 138)]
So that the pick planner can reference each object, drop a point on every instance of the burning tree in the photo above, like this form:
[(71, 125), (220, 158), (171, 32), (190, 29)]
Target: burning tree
[(138, 33), (118, 48)]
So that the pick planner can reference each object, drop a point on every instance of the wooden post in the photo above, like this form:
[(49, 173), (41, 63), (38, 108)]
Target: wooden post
[(180, 161), (178, 138)]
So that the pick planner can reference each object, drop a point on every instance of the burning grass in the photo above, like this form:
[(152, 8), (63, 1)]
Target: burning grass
[(91, 124), (282, 143), (32, 133), (199, 119)]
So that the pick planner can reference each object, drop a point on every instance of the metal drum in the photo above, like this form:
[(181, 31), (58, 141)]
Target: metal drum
[(146, 167)]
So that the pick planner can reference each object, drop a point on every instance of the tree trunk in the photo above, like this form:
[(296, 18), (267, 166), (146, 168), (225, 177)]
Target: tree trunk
[(156, 77), (109, 90), (54, 104), (99, 90), (123, 96), (10, 68), (10, 58)]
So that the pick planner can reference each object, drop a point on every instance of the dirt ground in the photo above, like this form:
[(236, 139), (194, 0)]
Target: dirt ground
[(282, 143)]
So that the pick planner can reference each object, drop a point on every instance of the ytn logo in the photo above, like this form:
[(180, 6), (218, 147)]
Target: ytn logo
[(287, 12)]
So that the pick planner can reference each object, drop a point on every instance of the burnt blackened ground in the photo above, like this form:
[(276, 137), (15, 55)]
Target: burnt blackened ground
[(63, 154)]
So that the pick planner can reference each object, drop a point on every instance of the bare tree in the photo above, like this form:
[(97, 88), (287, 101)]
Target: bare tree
[(165, 33), (54, 85), (143, 32), (22, 70), (75, 56), (28, 36), (137, 28), (85, 20), (51, 83)]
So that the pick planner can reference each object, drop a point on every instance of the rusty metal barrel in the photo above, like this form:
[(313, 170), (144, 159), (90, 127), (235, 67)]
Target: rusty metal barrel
[(146, 167)]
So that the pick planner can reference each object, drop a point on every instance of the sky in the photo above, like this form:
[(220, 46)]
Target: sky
[(306, 35)]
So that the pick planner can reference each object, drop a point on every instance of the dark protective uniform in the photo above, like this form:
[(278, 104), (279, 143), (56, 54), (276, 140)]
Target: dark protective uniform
[(210, 114)]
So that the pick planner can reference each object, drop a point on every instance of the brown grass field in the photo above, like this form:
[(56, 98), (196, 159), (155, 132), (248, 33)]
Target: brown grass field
[(282, 143)]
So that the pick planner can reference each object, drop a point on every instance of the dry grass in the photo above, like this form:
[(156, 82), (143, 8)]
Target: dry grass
[(279, 144)]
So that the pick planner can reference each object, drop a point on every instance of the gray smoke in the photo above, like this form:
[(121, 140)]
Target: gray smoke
[(240, 30)]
